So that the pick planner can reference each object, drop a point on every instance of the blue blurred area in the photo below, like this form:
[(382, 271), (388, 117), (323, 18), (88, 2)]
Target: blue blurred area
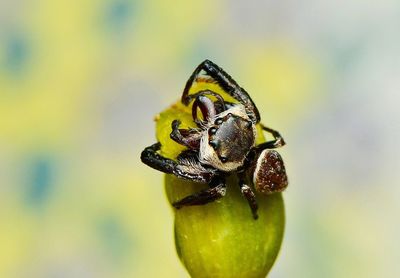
[(17, 52), (40, 181), (118, 14), (116, 240)]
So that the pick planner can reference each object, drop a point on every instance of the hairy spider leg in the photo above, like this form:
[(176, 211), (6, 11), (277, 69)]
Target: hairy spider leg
[(276, 143), (187, 137), (151, 158), (191, 137), (191, 97), (227, 84), (216, 191), (219, 108), (249, 195)]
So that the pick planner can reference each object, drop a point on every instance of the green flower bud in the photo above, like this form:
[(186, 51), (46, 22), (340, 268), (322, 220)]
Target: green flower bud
[(220, 239)]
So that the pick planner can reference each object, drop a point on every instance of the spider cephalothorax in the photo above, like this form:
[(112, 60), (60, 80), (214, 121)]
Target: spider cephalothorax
[(227, 140), (223, 143)]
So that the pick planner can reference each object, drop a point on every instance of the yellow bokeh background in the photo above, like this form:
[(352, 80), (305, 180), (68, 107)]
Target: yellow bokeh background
[(80, 83)]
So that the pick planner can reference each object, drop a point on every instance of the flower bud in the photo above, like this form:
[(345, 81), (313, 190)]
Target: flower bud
[(220, 239)]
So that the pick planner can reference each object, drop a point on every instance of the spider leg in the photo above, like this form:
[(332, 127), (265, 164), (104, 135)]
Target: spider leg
[(227, 84), (219, 108), (216, 191), (187, 137), (250, 197), (151, 158), (185, 168), (191, 97), (276, 143), (188, 155)]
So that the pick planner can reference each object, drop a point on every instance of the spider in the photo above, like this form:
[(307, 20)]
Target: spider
[(222, 144)]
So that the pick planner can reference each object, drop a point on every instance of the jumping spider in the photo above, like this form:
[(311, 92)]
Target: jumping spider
[(223, 143)]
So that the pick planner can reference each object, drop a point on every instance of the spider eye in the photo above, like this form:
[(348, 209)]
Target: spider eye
[(249, 124), (219, 121), (212, 131), (223, 159), (214, 144)]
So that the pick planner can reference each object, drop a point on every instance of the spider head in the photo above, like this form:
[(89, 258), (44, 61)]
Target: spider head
[(228, 139)]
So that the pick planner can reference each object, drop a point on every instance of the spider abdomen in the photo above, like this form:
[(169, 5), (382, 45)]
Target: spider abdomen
[(269, 174)]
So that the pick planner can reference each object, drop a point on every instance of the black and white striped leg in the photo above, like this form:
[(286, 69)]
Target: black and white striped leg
[(187, 137), (250, 196), (216, 191), (227, 84), (276, 143), (152, 158)]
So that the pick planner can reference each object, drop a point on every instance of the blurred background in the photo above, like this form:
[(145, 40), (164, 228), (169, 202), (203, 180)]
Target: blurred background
[(80, 84)]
